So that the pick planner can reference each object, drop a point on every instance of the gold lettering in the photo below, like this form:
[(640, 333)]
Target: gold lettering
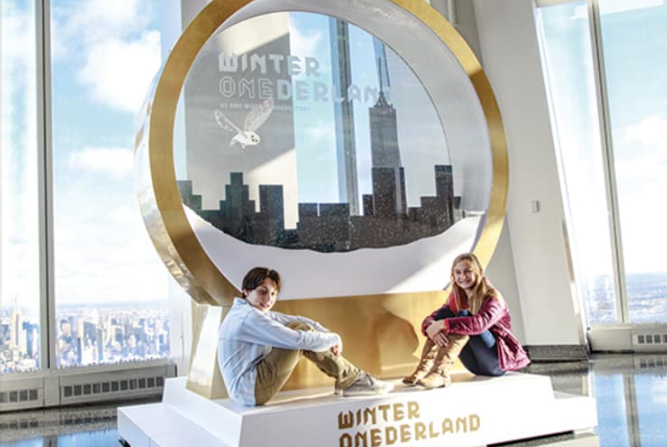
[(474, 422), (369, 413), (431, 432), (399, 414), (420, 431), (376, 437), (391, 435), (359, 417), (360, 439), (384, 408), (461, 422), (447, 426), (413, 410), (405, 432), (345, 440), (345, 420)]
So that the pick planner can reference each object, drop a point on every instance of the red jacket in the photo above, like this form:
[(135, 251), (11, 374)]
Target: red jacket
[(494, 317)]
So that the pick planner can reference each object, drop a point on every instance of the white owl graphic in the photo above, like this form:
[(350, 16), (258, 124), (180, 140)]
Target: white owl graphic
[(246, 136)]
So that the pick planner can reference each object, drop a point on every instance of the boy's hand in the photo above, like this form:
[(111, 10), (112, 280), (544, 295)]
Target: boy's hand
[(337, 349)]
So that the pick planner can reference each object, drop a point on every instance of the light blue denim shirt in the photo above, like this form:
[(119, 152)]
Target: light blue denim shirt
[(247, 335)]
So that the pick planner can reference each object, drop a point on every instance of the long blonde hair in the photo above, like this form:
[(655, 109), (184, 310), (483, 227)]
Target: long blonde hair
[(482, 290)]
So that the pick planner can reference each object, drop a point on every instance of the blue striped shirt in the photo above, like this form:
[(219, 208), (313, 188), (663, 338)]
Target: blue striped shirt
[(247, 335)]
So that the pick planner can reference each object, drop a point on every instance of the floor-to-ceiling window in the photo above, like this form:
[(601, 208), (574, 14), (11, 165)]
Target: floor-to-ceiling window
[(19, 197), (634, 44), (72, 243), (604, 63), (109, 286)]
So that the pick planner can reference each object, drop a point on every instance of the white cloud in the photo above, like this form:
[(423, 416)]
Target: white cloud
[(116, 15), (652, 130), (580, 12), (309, 44), (19, 35), (18, 222), (116, 263), (651, 166), (648, 160), (85, 22), (322, 131), (119, 72), (124, 213), (104, 252), (109, 45), (304, 43), (114, 162)]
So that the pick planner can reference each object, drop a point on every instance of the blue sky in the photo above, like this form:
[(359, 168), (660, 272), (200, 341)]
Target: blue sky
[(104, 55), (635, 56)]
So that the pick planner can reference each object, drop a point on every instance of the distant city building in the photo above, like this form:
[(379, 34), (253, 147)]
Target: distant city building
[(380, 50), (86, 335), (385, 153), (15, 327), (331, 227)]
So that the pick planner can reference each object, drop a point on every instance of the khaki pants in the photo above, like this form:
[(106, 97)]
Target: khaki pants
[(274, 370)]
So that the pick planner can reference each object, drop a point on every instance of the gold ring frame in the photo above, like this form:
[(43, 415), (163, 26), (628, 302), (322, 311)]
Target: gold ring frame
[(176, 241)]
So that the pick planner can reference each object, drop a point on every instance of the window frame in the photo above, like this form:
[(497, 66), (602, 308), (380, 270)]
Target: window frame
[(48, 362), (45, 213), (608, 157)]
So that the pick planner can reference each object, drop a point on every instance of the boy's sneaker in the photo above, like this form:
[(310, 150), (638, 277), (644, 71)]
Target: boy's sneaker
[(365, 385)]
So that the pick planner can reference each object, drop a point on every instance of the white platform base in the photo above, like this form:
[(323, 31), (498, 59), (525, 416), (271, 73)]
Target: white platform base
[(473, 412)]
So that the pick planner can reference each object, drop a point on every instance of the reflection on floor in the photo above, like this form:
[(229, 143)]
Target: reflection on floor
[(630, 390)]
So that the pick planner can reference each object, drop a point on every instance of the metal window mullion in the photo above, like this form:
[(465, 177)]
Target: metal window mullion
[(607, 144), (45, 187)]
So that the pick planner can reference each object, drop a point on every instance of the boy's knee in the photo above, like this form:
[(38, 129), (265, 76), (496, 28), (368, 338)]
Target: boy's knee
[(300, 326)]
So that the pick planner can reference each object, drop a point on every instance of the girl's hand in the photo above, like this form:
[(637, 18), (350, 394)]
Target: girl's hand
[(435, 333), (440, 339)]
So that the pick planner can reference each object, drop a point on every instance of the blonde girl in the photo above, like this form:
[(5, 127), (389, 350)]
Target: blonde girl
[(473, 325)]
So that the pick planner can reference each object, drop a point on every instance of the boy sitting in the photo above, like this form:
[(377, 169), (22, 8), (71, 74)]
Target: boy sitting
[(258, 349)]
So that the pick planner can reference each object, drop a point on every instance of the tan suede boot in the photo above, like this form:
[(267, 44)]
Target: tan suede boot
[(439, 376), (425, 363)]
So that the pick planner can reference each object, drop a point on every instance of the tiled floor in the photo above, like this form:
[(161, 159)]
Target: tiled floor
[(630, 390)]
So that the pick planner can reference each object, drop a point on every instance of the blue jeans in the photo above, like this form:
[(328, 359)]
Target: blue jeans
[(480, 354)]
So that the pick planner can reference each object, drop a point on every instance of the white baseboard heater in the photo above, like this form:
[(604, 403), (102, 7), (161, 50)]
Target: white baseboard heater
[(83, 385)]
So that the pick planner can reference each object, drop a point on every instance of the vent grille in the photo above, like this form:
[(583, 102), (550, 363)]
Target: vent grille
[(652, 363), (23, 425), (19, 396), (50, 389), (121, 386), (645, 339)]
